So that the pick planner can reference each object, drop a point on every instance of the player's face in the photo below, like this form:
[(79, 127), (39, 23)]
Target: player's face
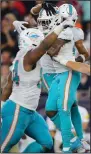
[(44, 26)]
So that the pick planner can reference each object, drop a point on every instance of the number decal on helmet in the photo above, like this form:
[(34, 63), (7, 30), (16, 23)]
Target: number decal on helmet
[(70, 9)]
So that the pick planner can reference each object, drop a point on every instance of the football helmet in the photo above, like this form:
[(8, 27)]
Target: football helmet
[(30, 38), (67, 11), (47, 22)]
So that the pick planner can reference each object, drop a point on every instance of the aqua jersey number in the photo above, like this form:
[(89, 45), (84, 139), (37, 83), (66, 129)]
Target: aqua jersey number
[(15, 73)]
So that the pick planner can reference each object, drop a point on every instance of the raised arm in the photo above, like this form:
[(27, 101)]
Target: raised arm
[(46, 6), (33, 56), (36, 9), (58, 44)]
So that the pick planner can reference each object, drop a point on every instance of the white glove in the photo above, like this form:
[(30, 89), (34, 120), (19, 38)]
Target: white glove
[(63, 25), (67, 23), (60, 60), (19, 25)]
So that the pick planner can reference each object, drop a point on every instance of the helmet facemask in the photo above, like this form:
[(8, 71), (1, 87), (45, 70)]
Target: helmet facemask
[(43, 25), (46, 22)]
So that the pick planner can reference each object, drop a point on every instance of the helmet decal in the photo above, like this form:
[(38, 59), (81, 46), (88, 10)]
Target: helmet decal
[(70, 9), (34, 36)]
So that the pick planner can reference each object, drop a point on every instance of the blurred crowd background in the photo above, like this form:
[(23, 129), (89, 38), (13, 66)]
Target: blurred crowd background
[(20, 10)]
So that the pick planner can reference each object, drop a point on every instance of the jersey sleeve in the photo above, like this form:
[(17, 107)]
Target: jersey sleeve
[(78, 34), (66, 34)]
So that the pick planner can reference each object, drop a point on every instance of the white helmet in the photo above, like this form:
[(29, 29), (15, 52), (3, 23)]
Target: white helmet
[(30, 38), (68, 11), (47, 22)]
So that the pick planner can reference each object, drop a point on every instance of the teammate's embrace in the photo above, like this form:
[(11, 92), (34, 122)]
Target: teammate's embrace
[(62, 107), (66, 58), (19, 114)]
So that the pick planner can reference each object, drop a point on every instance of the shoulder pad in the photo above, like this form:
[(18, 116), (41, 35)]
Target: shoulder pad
[(66, 34), (78, 34)]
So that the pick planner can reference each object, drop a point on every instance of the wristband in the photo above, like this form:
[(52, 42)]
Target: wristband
[(57, 30), (63, 61), (83, 57), (60, 60)]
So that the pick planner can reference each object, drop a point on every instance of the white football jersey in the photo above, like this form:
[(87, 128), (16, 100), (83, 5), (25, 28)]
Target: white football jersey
[(78, 35), (67, 51), (47, 64), (25, 91)]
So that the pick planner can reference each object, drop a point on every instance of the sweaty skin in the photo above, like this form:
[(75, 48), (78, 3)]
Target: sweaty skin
[(33, 56)]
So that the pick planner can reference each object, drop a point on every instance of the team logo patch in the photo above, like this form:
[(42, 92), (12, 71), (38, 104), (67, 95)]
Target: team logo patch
[(34, 36)]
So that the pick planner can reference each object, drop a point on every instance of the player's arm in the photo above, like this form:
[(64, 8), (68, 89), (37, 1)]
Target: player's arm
[(36, 9), (33, 56), (58, 44), (76, 66), (46, 6), (65, 37), (79, 67), (84, 56), (6, 91)]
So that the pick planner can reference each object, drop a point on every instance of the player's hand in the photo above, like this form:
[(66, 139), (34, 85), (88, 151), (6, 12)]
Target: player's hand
[(49, 8), (19, 25), (67, 23)]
